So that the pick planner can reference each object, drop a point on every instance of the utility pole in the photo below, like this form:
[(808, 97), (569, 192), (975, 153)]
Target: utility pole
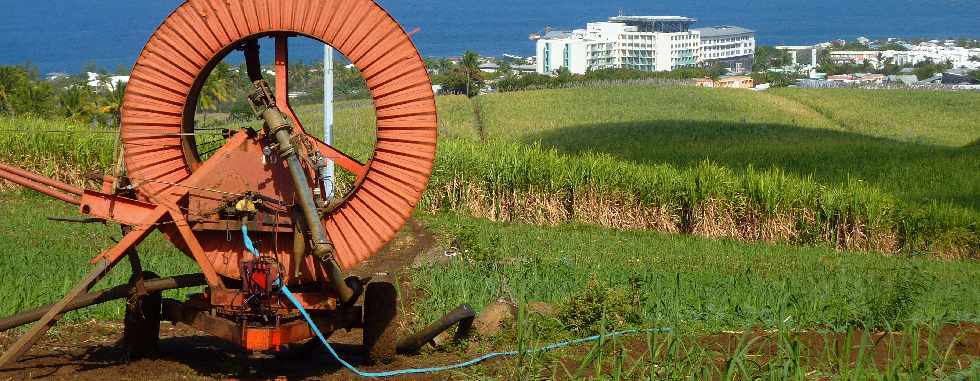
[(328, 169)]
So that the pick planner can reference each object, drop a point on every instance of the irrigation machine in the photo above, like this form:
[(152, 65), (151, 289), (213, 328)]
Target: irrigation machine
[(199, 191)]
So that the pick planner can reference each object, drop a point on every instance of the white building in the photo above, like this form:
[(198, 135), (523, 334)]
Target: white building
[(872, 57), (797, 53), (729, 46), (562, 49), (489, 67), (648, 43), (960, 57), (927, 51), (107, 82)]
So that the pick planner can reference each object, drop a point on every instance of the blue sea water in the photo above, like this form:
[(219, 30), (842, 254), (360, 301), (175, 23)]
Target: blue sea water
[(65, 35)]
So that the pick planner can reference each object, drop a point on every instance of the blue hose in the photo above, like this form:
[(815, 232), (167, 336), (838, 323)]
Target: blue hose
[(316, 330)]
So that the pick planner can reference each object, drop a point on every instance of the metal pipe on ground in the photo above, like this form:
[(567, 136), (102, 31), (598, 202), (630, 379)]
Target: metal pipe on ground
[(107, 295), (463, 315)]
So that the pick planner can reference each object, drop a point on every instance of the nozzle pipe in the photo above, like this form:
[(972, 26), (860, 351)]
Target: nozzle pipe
[(462, 315), (322, 248)]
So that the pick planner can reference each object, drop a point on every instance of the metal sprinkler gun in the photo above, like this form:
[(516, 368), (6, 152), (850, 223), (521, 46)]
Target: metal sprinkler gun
[(276, 125)]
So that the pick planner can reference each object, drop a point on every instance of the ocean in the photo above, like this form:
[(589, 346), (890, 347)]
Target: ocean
[(68, 35)]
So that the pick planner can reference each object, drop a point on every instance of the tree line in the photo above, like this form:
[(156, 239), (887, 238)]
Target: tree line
[(226, 90), (24, 92), (464, 77), (77, 97)]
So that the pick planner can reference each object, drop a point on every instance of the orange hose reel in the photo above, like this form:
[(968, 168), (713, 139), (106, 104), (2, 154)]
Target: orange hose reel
[(158, 111), (200, 201)]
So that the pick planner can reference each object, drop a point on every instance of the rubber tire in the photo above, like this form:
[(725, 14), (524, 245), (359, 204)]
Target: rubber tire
[(380, 322), (141, 326)]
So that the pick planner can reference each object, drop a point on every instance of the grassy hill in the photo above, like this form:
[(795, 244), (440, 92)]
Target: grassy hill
[(890, 171), (709, 161), (564, 196), (908, 144)]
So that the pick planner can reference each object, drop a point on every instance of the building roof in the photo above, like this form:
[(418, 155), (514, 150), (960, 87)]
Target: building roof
[(906, 79), (651, 18), (558, 34), (734, 78), (723, 30)]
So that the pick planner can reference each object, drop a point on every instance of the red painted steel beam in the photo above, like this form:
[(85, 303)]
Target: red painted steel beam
[(43, 180), (36, 186), (131, 240), (282, 81), (346, 162), (115, 208)]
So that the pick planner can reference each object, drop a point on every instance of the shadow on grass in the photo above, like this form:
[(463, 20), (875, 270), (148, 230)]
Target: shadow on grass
[(913, 172)]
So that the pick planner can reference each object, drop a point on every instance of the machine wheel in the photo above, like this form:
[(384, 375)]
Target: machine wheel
[(380, 322), (141, 326)]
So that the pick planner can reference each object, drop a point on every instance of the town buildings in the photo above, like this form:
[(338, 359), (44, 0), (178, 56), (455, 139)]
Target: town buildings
[(959, 57), (648, 43)]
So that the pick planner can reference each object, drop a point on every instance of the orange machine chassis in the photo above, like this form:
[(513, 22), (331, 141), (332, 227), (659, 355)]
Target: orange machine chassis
[(164, 183)]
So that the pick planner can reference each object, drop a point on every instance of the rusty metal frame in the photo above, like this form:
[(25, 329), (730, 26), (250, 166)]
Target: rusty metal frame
[(163, 84), (252, 338)]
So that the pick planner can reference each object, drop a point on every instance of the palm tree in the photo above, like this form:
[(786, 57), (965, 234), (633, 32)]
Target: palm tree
[(216, 90), (12, 80), (299, 76), (471, 60), (4, 102), (469, 67), (105, 81), (113, 101), (38, 99), (77, 102)]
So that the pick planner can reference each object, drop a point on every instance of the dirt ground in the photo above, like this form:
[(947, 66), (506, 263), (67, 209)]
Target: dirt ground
[(89, 351)]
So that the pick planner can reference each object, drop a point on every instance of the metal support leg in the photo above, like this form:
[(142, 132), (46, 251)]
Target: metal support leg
[(136, 265)]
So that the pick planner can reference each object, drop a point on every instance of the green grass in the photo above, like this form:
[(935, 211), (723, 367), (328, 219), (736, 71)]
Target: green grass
[(693, 283), (42, 260), (515, 116), (55, 147), (917, 353), (876, 137), (602, 280), (510, 182), (711, 162), (941, 118)]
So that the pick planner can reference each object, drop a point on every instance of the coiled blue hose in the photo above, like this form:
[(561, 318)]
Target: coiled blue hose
[(316, 330)]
